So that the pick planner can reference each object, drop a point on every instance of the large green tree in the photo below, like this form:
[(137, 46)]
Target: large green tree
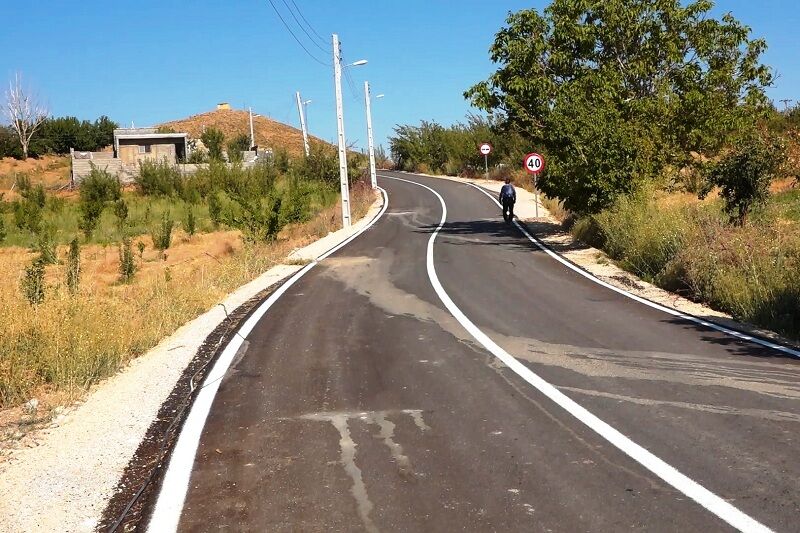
[(616, 91)]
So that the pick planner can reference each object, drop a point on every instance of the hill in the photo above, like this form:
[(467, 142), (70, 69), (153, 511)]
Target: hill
[(268, 133)]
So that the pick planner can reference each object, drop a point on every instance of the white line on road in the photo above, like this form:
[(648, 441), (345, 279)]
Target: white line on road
[(172, 495), (669, 474), (691, 318)]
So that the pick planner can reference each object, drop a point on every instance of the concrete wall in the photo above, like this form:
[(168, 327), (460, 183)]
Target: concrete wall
[(130, 155)]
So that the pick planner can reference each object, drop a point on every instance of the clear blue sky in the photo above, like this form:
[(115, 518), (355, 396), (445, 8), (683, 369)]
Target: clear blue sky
[(154, 60)]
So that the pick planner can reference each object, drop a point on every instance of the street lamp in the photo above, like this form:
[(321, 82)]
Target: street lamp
[(370, 143), (337, 82)]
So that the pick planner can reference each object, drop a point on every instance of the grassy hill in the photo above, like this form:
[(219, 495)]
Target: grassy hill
[(268, 133)]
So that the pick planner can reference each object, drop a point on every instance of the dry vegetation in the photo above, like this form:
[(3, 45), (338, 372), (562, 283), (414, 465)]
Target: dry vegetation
[(231, 122), (52, 171), (57, 350)]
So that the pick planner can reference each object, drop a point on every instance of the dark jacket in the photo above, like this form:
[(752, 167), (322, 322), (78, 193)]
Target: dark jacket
[(508, 193)]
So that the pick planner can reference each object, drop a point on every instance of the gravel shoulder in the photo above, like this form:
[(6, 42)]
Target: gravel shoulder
[(550, 232), (65, 479)]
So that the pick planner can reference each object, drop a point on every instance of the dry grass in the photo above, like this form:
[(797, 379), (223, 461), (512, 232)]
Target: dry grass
[(52, 171), (268, 133), (62, 347)]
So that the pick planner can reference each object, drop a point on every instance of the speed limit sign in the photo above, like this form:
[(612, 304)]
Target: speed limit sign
[(534, 163), (486, 149)]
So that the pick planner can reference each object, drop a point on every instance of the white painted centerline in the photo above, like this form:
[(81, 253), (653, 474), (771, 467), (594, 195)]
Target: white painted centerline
[(718, 506), (172, 495)]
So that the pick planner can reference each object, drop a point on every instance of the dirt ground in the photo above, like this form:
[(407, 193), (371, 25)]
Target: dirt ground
[(52, 171)]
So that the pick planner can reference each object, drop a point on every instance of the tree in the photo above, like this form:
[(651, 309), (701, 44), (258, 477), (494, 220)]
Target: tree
[(619, 91), (213, 139), (237, 145), (744, 175), (24, 112)]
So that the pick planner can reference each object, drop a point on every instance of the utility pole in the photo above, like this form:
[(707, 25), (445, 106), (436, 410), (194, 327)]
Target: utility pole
[(303, 123), (343, 181), (252, 137), (370, 143)]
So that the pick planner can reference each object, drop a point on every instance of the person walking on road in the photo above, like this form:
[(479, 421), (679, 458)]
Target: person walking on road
[(508, 197)]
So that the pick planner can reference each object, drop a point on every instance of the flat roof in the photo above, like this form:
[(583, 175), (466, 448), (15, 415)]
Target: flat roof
[(151, 136)]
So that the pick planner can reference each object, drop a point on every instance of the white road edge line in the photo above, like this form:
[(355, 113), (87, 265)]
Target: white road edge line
[(721, 508), (172, 495), (691, 318)]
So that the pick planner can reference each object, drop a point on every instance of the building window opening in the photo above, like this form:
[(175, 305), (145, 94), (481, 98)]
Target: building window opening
[(145, 149)]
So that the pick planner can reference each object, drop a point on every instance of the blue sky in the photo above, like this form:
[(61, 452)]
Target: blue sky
[(155, 60)]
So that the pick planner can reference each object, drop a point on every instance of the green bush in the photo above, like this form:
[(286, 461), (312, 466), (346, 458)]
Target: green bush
[(162, 234), (29, 209), (127, 264), (121, 212), (159, 178), (74, 266), (96, 190), (32, 283), (3, 232), (191, 222), (213, 139), (46, 244)]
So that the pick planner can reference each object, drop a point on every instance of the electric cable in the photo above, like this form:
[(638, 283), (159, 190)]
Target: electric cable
[(299, 12), (312, 56), (315, 43)]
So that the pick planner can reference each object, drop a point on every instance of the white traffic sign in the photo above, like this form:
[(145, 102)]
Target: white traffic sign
[(486, 149), (533, 163)]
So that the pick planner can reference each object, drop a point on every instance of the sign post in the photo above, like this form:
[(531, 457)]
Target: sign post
[(485, 150), (534, 164)]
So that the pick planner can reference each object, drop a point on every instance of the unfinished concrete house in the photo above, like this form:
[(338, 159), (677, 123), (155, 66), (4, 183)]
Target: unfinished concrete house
[(131, 146)]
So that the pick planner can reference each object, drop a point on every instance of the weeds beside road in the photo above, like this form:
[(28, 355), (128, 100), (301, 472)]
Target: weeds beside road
[(74, 338)]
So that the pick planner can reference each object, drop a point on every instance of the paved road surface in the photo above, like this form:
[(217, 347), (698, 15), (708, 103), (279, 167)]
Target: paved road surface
[(359, 403)]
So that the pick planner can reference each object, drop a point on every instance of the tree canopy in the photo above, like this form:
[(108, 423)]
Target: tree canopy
[(617, 91)]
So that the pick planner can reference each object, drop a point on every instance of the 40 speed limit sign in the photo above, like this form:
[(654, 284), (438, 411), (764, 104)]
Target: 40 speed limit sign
[(533, 163)]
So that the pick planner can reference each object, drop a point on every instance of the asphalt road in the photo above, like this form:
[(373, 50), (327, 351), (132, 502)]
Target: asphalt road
[(360, 402)]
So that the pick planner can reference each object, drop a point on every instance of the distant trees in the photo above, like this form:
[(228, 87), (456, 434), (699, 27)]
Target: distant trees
[(24, 112), (616, 93)]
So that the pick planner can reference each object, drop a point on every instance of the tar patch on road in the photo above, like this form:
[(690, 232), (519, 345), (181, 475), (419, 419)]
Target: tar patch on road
[(143, 475)]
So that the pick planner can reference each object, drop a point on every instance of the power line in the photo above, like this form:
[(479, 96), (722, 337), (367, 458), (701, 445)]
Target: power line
[(299, 12), (315, 43), (312, 56)]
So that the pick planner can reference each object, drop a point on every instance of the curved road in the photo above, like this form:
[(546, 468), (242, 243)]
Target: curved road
[(360, 401)]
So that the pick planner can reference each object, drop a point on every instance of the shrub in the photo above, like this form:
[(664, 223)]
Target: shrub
[(74, 266), (237, 145), (213, 139), (127, 265), (33, 282), (745, 174), (159, 178), (29, 209), (46, 245), (215, 209), (96, 190), (198, 156), (3, 232), (121, 212), (191, 222), (162, 234)]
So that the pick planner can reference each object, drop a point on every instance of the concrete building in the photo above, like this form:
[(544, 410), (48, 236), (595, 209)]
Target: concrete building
[(132, 145)]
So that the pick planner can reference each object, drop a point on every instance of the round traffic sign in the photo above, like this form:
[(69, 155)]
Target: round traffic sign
[(533, 163), (486, 149)]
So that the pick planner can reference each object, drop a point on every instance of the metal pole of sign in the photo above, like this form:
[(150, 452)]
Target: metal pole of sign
[(536, 192), (486, 164)]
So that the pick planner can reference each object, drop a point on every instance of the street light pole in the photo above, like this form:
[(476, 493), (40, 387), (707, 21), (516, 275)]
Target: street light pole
[(252, 137), (370, 143), (303, 123), (343, 181)]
